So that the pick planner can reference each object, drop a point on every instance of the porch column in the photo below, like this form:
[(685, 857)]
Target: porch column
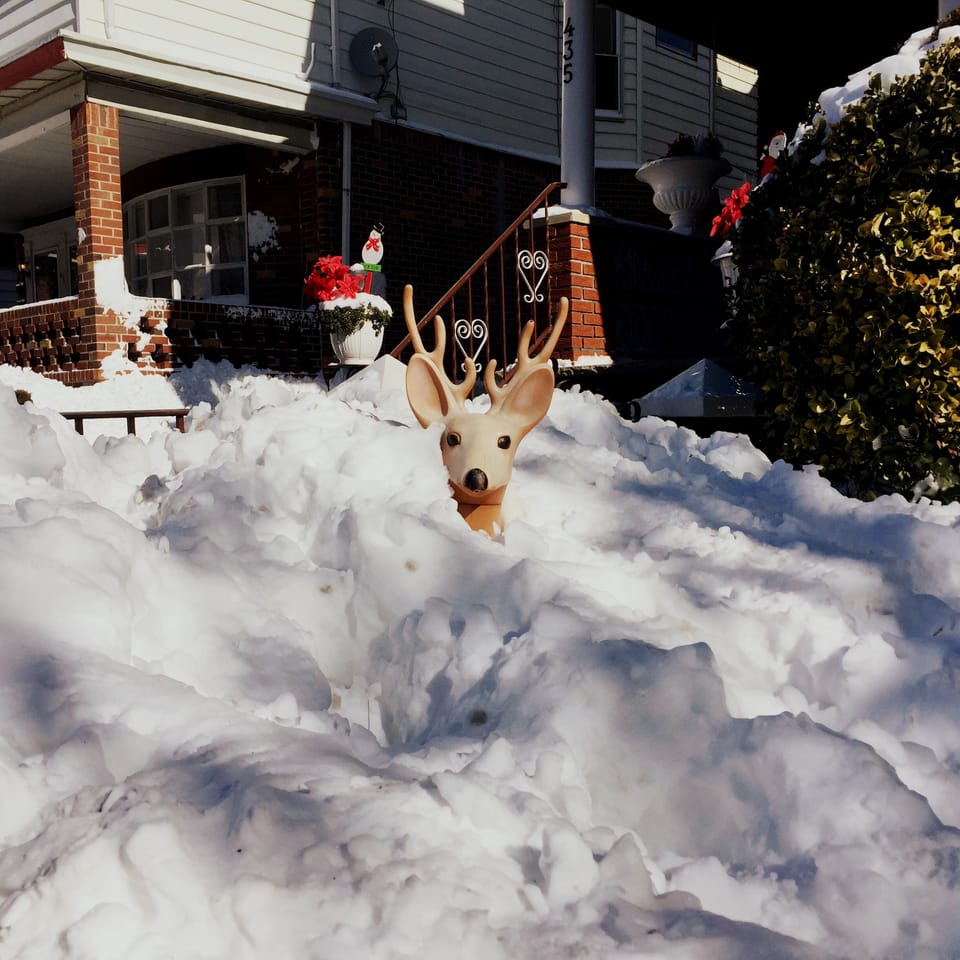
[(577, 100), (95, 139), (575, 278)]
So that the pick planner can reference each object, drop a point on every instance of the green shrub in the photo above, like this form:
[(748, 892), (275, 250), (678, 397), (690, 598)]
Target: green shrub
[(847, 302)]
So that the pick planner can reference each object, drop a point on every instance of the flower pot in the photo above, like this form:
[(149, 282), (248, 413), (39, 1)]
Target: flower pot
[(684, 189), (357, 349)]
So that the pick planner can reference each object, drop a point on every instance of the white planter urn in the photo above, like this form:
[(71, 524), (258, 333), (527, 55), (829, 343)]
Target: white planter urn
[(683, 188), (358, 349)]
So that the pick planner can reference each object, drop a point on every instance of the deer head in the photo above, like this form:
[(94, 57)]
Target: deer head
[(478, 449)]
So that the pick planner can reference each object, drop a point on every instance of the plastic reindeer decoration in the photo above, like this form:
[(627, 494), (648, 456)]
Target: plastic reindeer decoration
[(478, 449)]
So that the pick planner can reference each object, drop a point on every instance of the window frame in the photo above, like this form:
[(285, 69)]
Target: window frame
[(677, 44), (151, 281), (616, 55)]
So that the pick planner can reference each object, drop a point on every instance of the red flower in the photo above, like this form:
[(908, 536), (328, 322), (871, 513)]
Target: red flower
[(331, 279), (732, 210)]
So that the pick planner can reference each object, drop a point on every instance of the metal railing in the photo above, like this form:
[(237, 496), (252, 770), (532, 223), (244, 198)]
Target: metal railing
[(509, 283)]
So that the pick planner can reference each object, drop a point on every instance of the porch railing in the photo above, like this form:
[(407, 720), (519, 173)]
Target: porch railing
[(509, 283)]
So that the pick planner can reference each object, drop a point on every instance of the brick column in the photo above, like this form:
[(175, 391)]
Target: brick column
[(95, 137), (576, 279)]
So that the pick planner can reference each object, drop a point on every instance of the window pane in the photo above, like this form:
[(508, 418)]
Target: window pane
[(187, 206), (225, 282), (160, 287), (139, 220), (159, 254), (159, 212), (192, 283), (608, 83), (137, 258), (604, 29), (226, 243), (665, 38), (45, 277), (188, 247), (224, 200), (138, 286)]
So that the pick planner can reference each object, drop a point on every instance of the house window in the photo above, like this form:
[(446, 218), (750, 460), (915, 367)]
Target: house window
[(188, 242), (676, 43), (606, 46)]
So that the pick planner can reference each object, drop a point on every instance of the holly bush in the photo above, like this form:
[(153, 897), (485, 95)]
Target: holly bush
[(847, 310)]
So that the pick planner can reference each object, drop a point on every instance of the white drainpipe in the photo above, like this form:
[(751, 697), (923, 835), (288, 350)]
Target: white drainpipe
[(346, 174), (577, 100)]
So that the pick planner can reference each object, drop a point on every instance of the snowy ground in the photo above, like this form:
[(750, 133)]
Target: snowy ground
[(264, 693)]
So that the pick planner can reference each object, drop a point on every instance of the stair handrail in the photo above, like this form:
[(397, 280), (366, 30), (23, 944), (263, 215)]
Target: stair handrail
[(482, 260)]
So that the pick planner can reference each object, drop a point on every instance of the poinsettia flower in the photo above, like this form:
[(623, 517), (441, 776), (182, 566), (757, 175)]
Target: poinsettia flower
[(732, 210), (331, 279)]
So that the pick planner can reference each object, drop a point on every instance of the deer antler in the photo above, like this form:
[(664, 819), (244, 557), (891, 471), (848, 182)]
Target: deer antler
[(525, 363), (459, 392)]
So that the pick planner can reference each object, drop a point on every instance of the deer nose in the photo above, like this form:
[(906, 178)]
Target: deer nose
[(475, 480)]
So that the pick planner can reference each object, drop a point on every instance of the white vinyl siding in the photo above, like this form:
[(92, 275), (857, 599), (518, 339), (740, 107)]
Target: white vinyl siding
[(243, 38), (696, 96), (736, 117), (487, 73), (25, 24)]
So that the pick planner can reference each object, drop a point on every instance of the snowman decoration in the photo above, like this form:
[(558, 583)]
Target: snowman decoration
[(777, 145), (371, 255)]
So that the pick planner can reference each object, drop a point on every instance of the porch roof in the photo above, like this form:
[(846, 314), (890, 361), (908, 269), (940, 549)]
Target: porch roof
[(171, 111)]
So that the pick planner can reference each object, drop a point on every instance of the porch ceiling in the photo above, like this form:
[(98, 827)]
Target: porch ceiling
[(36, 180)]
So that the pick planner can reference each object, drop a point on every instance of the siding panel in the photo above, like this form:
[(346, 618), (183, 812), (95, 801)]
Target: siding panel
[(461, 73), (28, 23)]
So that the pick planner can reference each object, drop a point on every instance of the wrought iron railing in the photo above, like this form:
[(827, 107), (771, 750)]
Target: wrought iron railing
[(510, 283)]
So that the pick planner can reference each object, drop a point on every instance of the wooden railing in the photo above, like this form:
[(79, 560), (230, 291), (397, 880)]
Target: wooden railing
[(509, 283), (131, 416)]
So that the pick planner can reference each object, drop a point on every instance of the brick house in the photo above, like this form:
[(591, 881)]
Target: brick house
[(165, 183)]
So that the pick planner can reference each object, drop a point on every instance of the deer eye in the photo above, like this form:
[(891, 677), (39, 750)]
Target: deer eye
[(503, 442), (453, 439)]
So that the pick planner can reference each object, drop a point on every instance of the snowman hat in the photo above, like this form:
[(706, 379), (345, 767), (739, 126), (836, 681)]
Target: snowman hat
[(377, 227)]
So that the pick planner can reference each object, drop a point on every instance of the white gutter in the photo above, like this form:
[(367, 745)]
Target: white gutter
[(265, 89)]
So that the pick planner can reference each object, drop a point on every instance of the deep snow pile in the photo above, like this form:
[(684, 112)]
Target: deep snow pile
[(264, 694)]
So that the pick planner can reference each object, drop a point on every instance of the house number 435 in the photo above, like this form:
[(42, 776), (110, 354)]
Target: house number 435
[(568, 51)]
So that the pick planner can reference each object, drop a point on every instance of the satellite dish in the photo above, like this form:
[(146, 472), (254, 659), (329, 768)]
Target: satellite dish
[(373, 52)]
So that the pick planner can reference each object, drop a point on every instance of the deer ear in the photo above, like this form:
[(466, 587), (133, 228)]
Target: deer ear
[(426, 392), (530, 401)]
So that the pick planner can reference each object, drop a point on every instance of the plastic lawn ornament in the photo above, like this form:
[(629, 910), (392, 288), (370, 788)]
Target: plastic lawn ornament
[(478, 449)]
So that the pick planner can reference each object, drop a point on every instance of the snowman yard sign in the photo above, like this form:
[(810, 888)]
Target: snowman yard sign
[(371, 258)]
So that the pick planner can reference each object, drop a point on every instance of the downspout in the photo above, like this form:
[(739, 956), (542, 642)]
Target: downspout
[(346, 188), (346, 140), (109, 19), (712, 92)]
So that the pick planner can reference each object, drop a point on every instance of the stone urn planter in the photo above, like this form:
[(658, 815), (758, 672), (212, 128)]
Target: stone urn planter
[(683, 188)]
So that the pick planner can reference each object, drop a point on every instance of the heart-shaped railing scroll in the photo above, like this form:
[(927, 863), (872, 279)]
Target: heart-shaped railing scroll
[(527, 259), (464, 332)]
